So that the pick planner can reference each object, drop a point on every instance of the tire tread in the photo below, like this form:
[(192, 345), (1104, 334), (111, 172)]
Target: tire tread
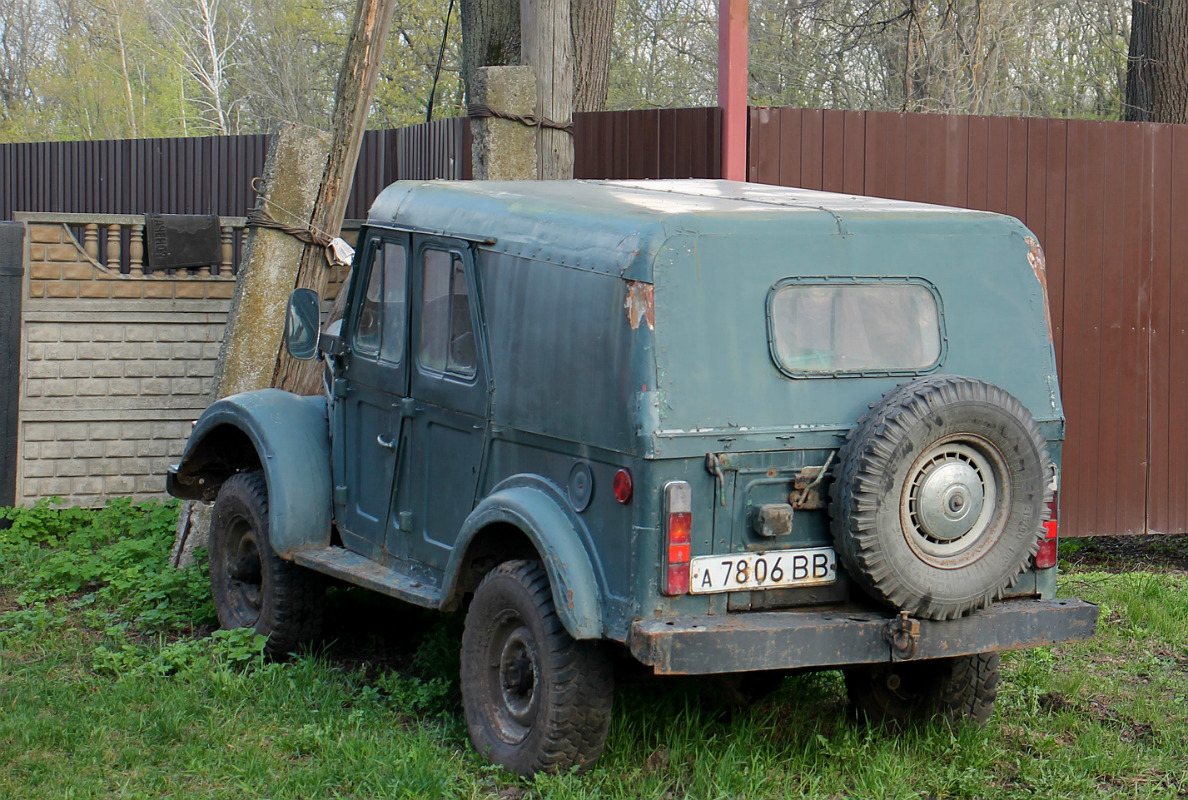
[(578, 722), (293, 613)]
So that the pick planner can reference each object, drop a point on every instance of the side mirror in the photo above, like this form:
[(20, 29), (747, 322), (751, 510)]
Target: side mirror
[(302, 323)]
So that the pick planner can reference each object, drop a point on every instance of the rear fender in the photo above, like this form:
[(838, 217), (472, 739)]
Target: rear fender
[(289, 440), (538, 509)]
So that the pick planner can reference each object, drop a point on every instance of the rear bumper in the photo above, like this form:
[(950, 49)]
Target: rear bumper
[(798, 639)]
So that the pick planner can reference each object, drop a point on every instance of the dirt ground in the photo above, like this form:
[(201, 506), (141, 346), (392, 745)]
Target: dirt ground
[(1152, 553)]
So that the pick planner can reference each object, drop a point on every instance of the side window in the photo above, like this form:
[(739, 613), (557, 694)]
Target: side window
[(383, 314), (367, 328), (395, 307), (447, 337)]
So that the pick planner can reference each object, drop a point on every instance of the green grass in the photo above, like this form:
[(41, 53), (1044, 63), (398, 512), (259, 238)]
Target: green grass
[(112, 685)]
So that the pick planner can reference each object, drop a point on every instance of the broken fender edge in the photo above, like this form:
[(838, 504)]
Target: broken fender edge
[(770, 640)]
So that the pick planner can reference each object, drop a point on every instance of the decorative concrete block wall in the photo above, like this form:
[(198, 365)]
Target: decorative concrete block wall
[(115, 368), (116, 364)]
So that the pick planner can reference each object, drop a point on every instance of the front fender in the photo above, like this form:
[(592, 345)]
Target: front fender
[(291, 439), (537, 508)]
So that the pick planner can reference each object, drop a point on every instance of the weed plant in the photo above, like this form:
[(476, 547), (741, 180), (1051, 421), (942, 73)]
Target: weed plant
[(112, 684)]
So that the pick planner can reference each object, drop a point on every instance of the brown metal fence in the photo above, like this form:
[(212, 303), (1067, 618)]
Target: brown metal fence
[(1107, 200), (212, 175), (651, 143), (199, 175)]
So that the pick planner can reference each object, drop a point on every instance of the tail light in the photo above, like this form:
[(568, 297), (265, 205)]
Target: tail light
[(1046, 557), (623, 486), (678, 505)]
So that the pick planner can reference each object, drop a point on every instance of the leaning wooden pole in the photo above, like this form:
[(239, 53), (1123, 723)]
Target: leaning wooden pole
[(356, 88), (253, 356)]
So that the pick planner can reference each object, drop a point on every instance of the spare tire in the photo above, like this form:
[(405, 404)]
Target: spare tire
[(939, 495)]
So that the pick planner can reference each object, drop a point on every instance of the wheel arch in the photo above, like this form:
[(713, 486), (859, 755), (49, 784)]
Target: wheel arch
[(284, 435), (527, 517)]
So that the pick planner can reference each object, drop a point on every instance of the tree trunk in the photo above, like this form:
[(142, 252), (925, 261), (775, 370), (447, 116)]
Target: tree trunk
[(490, 35), (1157, 67), (593, 23)]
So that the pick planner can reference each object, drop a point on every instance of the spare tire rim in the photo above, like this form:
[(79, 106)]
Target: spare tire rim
[(954, 501)]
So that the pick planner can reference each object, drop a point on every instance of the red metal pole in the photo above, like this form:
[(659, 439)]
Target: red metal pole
[(732, 86)]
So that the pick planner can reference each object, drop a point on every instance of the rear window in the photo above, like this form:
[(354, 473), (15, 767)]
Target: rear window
[(821, 327)]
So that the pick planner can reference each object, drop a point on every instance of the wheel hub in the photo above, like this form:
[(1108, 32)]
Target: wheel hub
[(954, 500), (246, 569), (245, 577), (513, 686), (518, 676), (949, 501)]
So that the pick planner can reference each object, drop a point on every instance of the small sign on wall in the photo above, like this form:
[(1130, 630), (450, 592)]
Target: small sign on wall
[(179, 241)]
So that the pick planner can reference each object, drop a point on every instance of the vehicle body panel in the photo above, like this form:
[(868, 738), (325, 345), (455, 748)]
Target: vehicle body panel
[(290, 437)]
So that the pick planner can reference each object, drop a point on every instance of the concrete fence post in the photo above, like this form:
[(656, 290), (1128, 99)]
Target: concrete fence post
[(12, 257)]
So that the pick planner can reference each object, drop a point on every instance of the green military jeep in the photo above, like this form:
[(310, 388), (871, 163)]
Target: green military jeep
[(719, 427)]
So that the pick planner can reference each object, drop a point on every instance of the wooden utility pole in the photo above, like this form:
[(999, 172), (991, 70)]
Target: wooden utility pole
[(356, 88), (252, 356), (546, 45)]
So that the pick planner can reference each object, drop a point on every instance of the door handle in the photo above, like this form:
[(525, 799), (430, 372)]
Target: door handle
[(387, 444)]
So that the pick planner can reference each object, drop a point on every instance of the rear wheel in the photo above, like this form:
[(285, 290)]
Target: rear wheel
[(252, 586), (535, 699), (960, 690)]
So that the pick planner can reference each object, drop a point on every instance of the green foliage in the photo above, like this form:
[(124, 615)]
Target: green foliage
[(240, 651), (111, 562)]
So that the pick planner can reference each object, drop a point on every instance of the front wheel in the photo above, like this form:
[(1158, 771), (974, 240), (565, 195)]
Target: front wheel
[(535, 699), (959, 690), (252, 586)]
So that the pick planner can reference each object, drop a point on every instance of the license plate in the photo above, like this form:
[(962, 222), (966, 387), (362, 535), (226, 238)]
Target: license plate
[(776, 569)]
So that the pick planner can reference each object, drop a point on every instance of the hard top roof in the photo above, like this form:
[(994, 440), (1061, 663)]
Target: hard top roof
[(611, 226)]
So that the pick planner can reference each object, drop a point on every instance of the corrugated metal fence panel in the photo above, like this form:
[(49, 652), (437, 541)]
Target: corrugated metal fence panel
[(1106, 200), (431, 150), (213, 175), (648, 143), (202, 175)]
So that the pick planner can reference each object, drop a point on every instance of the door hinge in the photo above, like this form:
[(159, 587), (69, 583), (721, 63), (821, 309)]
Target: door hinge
[(341, 389), (406, 521), (340, 495), (408, 407)]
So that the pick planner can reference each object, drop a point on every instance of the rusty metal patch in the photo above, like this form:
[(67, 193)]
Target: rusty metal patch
[(640, 305), (1039, 265)]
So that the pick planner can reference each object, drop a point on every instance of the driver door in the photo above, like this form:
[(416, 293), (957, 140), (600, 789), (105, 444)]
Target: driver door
[(370, 392)]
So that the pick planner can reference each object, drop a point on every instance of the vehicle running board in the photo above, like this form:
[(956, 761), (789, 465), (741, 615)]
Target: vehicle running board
[(338, 562), (794, 639)]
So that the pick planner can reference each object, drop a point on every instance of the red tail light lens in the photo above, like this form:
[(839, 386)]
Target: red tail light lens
[(1046, 557), (679, 537), (623, 486)]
